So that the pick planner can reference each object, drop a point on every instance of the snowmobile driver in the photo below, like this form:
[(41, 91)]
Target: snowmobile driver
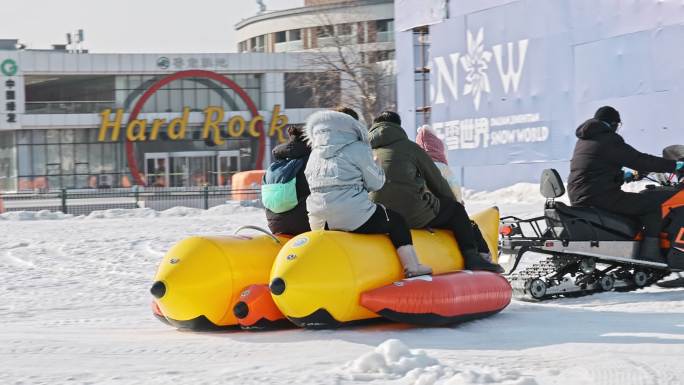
[(596, 176)]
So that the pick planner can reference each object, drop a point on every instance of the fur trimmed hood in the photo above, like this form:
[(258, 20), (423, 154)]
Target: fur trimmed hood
[(330, 131)]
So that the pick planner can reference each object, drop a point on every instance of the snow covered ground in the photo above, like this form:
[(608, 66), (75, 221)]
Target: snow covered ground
[(74, 309)]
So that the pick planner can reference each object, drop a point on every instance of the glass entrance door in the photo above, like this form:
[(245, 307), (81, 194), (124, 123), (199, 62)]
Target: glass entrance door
[(157, 169), (192, 168), (228, 163), (201, 170)]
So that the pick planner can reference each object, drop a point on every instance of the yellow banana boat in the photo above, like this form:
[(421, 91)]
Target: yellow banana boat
[(318, 277), (200, 279)]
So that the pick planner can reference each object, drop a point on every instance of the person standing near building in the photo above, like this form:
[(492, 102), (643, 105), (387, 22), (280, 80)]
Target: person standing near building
[(417, 190)]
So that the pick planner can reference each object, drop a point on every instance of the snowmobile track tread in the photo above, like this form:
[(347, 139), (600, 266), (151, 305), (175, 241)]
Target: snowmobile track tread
[(559, 266)]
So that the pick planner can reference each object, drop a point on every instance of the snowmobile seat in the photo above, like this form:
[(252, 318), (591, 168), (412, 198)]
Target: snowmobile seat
[(592, 224), (582, 223)]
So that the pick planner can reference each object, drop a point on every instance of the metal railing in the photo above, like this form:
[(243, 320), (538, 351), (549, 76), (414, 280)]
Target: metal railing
[(85, 201)]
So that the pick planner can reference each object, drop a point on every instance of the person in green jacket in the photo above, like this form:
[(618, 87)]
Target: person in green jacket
[(415, 189)]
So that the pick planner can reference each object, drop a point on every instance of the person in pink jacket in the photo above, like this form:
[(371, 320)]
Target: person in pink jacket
[(428, 141), (434, 146)]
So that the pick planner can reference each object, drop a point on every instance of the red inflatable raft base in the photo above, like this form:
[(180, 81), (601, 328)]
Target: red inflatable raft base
[(257, 311), (158, 313), (441, 299)]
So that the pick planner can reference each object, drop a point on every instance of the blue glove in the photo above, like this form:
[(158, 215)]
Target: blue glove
[(628, 175), (680, 165)]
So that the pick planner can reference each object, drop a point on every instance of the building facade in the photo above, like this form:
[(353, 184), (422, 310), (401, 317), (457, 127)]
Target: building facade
[(352, 39), (506, 82), (71, 120), (368, 25)]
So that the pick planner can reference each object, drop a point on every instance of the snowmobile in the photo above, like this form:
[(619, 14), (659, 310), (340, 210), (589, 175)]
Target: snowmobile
[(590, 250)]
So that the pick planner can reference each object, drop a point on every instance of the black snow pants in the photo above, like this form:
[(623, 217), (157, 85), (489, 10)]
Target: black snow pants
[(453, 216), (385, 221), (644, 206)]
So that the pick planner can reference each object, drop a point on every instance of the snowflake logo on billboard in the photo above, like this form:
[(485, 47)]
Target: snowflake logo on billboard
[(508, 58), (475, 64)]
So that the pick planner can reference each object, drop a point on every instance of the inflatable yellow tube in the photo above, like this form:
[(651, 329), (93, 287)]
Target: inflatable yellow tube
[(488, 222), (318, 277), (199, 280)]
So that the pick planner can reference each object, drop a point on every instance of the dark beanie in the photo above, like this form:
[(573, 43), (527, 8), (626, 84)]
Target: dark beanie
[(608, 114)]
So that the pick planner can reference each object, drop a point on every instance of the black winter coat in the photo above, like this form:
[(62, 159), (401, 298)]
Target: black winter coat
[(295, 221), (596, 166)]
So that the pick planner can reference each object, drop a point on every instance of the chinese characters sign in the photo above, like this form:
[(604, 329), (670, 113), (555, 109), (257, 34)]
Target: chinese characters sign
[(11, 93), (184, 63), (11, 100), (476, 133)]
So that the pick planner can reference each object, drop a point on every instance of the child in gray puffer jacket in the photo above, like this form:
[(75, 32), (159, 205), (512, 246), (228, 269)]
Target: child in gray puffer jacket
[(340, 172)]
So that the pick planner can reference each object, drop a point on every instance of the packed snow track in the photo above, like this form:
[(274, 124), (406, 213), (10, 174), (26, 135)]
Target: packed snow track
[(75, 309)]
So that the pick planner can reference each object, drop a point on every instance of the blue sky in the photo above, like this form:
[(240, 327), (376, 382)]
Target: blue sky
[(131, 25)]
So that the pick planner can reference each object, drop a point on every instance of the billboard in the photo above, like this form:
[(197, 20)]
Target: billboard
[(511, 80), (501, 87)]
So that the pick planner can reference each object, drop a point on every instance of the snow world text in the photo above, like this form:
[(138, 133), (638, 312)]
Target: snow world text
[(474, 133)]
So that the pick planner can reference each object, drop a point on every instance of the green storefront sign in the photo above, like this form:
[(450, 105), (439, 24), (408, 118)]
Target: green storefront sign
[(9, 67)]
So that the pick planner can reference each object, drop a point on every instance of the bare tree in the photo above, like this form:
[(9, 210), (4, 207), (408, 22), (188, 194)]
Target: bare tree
[(364, 80)]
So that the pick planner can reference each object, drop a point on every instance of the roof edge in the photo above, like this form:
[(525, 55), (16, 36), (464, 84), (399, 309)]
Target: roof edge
[(305, 10)]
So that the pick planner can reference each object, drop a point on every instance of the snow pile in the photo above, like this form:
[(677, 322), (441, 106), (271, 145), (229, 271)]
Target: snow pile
[(34, 215), (530, 193), (520, 192), (123, 213), (393, 360), (470, 376), (178, 211), (181, 211), (231, 208)]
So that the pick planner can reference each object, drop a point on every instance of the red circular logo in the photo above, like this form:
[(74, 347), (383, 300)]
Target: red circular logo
[(130, 156)]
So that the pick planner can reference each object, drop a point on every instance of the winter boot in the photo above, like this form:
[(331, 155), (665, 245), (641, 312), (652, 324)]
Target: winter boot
[(480, 261), (650, 250), (409, 259)]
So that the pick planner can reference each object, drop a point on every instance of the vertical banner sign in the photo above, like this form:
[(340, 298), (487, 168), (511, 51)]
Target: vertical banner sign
[(11, 93)]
